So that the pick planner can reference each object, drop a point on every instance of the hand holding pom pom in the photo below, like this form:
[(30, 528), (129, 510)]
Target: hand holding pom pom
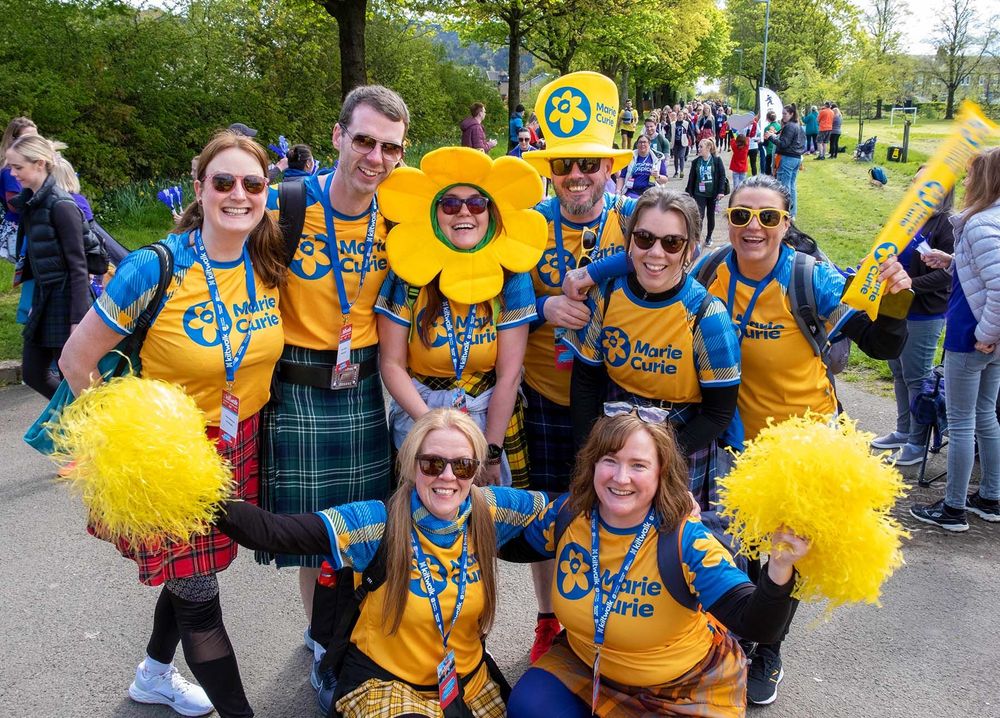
[(786, 549), (136, 450)]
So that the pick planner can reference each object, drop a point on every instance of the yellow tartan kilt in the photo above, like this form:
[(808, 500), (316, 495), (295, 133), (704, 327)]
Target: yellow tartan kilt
[(388, 699)]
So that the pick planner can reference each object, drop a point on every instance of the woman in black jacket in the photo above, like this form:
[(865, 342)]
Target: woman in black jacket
[(50, 241), (791, 146), (706, 183)]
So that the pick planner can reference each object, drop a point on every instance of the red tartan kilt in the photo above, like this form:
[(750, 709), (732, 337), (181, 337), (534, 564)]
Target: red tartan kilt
[(214, 551)]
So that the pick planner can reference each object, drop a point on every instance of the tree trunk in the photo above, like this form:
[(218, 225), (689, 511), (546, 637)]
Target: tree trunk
[(949, 108), (623, 91), (878, 109), (350, 17), (514, 65)]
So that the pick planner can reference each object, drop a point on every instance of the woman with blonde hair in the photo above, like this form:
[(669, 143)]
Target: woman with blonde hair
[(50, 238), (217, 332), (417, 647), (707, 183)]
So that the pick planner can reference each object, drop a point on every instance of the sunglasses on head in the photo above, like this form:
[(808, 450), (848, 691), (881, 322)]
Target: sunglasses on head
[(366, 144), (587, 165), (769, 217), (671, 243), (450, 204), (224, 182), (646, 414), (433, 465)]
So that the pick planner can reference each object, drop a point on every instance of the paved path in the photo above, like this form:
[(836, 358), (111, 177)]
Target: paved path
[(74, 620)]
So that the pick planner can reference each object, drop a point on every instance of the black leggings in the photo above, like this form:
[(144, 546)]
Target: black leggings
[(706, 205), (37, 368), (834, 142), (197, 626), (752, 156)]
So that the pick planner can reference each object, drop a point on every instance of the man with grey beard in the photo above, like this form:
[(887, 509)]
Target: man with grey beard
[(578, 113)]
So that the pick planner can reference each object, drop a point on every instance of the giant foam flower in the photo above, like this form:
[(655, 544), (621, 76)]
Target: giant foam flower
[(417, 249)]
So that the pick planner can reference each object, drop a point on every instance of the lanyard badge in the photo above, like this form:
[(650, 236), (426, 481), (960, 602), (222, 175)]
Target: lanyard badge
[(229, 417), (448, 685), (603, 608), (459, 356)]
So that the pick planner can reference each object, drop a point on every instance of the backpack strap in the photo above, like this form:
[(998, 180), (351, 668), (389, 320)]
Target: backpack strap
[(803, 295), (291, 215), (564, 517), (710, 267), (133, 343)]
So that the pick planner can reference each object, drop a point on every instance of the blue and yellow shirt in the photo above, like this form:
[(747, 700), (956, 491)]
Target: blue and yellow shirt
[(311, 306), (540, 370), (654, 349), (515, 306), (183, 345), (782, 376), (415, 650), (650, 639)]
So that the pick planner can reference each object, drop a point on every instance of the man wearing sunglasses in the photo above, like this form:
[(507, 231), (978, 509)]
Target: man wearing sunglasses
[(578, 114), (326, 441)]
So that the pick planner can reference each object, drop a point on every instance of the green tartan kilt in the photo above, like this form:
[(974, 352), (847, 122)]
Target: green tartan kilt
[(321, 448)]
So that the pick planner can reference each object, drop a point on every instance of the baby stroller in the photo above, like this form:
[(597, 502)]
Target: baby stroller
[(865, 152), (929, 409)]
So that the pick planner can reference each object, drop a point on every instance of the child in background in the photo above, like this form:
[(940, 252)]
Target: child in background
[(738, 164)]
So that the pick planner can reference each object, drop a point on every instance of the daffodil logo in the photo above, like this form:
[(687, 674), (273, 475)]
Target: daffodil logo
[(567, 112), (548, 266), (439, 577), (312, 261), (884, 251), (200, 324), (616, 346), (573, 572), (439, 336)]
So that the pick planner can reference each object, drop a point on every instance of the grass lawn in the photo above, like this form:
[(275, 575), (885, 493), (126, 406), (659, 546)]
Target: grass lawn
[(844, 213)]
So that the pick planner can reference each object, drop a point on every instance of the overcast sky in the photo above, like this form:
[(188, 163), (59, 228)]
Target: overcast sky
[(920, 25)]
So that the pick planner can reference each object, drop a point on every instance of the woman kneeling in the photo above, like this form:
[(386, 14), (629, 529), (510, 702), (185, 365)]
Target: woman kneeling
[(654, 638)]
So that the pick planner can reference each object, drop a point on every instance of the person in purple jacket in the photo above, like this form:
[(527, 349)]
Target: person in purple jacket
[(473, 134)]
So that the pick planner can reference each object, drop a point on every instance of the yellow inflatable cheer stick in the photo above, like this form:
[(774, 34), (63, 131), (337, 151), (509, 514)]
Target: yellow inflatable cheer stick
[(919, 202)]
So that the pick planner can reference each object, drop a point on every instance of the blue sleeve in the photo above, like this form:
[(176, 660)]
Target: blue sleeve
[(607, 268), (707, 565), (716, 348), (518, 302), (392, 300), (130, 291), (272, 197), (513, 510), (355, 532), (828, 287), (541, 532), (586, 343)]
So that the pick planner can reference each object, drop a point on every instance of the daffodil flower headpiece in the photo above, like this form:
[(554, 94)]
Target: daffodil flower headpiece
[(418, 251)]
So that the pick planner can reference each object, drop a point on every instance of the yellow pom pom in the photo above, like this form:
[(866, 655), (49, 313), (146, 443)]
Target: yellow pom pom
[(136, 449), (819, 479)]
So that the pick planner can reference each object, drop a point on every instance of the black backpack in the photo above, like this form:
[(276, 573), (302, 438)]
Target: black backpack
[(291, 215), (93, 247)]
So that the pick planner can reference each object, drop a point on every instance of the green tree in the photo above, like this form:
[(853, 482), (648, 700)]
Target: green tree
[(963, 40)]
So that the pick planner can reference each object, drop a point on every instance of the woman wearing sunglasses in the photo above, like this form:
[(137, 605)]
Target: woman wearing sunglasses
[(217, 333), (445, 345), (657, 340), (654, 637), (438, 536)]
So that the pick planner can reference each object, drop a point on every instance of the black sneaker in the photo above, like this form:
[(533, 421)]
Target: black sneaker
[(942, 516), (764, 675), (983, 508)]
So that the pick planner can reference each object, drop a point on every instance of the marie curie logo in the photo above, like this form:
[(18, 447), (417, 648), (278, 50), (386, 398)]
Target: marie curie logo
[(441, 576), (884, 251), (573, 577), (312, 260), (616, 346), (549, 270), (482, 334), (567, 112), (200, 324)]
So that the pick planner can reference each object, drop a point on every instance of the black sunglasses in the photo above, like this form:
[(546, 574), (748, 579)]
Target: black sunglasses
[(563, 166), (366, 144), (451, 204), (433, 465), (224, 182), (589, 239), (671, 243)]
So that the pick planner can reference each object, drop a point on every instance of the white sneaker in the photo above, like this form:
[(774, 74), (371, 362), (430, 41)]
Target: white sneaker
[(170, 689)]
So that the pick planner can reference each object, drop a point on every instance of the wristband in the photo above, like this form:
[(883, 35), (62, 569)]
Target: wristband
[(494, 454)]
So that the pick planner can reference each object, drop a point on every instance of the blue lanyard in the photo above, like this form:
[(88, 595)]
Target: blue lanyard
[(602, 609), (425, 576), (458, 359), (221, 315), (338, 278), (758, 290), (559, 241)]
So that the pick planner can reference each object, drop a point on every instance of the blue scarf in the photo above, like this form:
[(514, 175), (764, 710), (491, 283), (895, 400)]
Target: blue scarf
[(438, 531)]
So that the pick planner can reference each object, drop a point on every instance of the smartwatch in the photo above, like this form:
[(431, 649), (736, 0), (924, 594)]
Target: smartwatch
[(493, 454)]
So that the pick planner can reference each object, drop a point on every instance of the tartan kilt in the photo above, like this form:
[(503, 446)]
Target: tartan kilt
[(48, 324), (213, 552), (388, 699), (551, 453), (323, 448), (715, 687)]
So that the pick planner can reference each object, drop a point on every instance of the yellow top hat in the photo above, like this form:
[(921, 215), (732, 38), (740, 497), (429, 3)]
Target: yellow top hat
[(578, 114), (417, 249)]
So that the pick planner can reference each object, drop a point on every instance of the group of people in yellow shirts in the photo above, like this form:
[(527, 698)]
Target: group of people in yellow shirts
[(564, 392)]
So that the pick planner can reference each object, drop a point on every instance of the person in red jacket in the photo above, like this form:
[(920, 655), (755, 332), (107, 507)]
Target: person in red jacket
[(738, 163), (473, 134)]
